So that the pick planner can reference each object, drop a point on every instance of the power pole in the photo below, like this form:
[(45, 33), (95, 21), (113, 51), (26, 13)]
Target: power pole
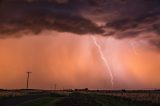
[(28, 75), (55, 87)]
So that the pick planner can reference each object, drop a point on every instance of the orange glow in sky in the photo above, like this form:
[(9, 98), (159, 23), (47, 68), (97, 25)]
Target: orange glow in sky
[(72, 61)]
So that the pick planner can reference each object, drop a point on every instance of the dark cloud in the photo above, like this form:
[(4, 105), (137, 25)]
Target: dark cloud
[(39, 15), (119, 18), (133, 27), (63, 23)]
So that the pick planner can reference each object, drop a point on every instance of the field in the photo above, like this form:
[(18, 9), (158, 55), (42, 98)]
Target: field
[(79, 98)]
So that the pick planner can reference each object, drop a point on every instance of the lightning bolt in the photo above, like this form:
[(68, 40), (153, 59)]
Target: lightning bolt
[(133, 48), (105, 61)]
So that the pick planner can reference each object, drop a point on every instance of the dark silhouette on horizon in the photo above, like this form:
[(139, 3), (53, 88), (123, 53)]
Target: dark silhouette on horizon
[(28, 75)]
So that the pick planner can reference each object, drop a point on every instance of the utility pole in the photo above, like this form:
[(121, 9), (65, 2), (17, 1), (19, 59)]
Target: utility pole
[(55, 87), (28, 75)]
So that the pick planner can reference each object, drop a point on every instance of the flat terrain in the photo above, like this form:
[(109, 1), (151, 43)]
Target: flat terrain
[(81, 98)]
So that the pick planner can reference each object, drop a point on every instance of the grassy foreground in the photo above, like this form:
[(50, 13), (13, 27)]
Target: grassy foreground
[(44, 101), (85, 99)]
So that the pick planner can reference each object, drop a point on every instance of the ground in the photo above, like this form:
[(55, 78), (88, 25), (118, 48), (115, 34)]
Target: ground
[(74, 99)]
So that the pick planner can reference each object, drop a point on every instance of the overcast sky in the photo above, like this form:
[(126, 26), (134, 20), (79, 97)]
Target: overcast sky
[(53, 39)]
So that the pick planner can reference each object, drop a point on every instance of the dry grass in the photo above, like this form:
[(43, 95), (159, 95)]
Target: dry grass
[(151, 97), (6, 94)]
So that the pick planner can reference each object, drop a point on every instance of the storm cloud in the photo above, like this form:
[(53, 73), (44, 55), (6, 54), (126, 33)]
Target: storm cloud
[(119, 18), (39, 15), (40, 36)]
